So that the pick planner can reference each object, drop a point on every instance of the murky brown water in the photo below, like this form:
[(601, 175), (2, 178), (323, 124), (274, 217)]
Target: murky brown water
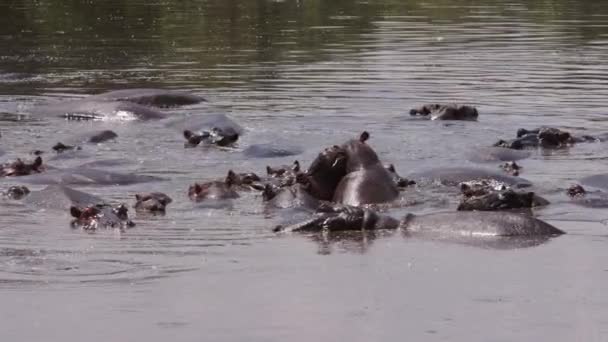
[(310, 73)]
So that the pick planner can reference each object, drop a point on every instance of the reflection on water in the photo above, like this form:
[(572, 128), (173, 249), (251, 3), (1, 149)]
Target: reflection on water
[(310, 73)]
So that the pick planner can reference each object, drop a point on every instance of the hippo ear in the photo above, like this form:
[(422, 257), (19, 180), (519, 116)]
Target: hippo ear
[(75, 212), (296, 166), (188, 134), (138, 197), (391, 168), (268, 170), (364, 136), (197, 188)]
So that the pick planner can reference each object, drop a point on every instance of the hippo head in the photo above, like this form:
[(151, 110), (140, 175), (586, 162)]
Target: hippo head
[(285, 174), (576, 191), (553, 137), (425, 109), (512, 168), (212, 190), (216, 136), (446, 112), (399, 181), (101, 216), (359, 154), (60, 147), (20, 168), (17, 192), (102, 136), (245, 180), (152, 202), (324, 173)]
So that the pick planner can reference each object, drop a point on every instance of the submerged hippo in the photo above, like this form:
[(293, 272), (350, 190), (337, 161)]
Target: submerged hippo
[(284, 175), (87, 176), (213, 190), (60, 197), (367, 180), (92, 109), (19, 168), (584, 198), (545, 137), (151, 202), (469, 224), (501, 200), (244, 181), (100, 216), (446, 112), (217, 129), (456, 175), (151, 97), (94, 137), (216, 136), (16, 192), (496, 154), (271, 150), (511, 168)]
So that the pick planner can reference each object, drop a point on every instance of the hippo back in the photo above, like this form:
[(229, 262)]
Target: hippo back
[(60, 197), (371, 185), (466, 224)]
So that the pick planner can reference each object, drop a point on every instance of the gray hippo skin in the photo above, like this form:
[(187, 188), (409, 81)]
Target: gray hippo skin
[(496, 154), (546, 137), (580, 196), (213, 129), (501, 200), (597, 181), (270, 150), (91, 109), (151, 97), (456, 175), (87, 176), (477, 224), (447, 112), (367, 181), (152, 202), (60, 197)]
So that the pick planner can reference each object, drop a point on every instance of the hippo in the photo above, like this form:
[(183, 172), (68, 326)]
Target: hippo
[(366, 181), (456, 225), (597, 181), (581, 197), (19, 168), (213, 190), (244, 181), (60, 197), (295, 196), (545, 137), (150, 97), (455, 175), (91, 109), (511, 168), (216, 136), (99, 216), (16, 192), (270, 150), (501, 200), (151, 202), (86, 176), (324, 173), (284, 175), (447, 112), (496, 154)]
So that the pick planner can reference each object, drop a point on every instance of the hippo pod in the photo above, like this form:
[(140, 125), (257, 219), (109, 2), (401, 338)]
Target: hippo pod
[(19, 168), (475, 224), (446, 112), (545, 137), (98, 216), (367, 180)]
